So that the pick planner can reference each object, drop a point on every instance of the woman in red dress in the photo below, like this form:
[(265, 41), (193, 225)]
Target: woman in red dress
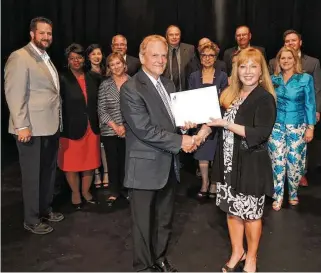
[(79, 152)]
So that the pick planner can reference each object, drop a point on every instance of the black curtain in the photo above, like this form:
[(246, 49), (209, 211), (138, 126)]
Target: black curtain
[(92, 21)]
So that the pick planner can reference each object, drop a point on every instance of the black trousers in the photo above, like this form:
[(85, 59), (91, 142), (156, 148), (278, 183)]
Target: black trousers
[(152, 214), (115, 148), (38, 163)]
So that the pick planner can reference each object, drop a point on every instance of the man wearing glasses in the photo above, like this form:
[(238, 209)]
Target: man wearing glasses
[(243, 37), (119, 44)]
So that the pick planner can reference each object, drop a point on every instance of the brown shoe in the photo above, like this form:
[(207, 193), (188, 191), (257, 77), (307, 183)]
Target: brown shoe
[(40, 228)]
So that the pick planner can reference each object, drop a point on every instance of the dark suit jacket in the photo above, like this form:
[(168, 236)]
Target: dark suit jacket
[(228, 54), (312, 66), (151, 141), (187, 53), (133, 65), (75, 111)]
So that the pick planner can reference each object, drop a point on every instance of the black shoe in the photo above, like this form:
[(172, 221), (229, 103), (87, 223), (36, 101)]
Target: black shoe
[(40, 229), (77, 206), (151, 269), (239, 265), (92, 201), (54, 217), (165, 266), (111, 202)]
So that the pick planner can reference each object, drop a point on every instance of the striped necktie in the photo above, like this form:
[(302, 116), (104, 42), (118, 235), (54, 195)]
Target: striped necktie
[(166, 100)]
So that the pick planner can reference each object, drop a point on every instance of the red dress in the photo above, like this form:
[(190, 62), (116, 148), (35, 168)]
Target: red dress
[(81, 154)]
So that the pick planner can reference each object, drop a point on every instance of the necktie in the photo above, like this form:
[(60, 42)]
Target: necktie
[(165, 99), (175, 70)]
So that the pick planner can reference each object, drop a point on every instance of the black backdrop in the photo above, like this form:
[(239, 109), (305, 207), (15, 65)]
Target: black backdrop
[(92, 21)]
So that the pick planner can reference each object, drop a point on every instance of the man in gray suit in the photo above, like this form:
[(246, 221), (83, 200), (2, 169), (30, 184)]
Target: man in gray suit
[(152, 146), (309, 65), (179, 57), (243, 37), (32, 94)]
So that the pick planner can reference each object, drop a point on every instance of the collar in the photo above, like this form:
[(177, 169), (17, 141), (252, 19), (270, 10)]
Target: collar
[(44, 55), (238, 47), (172, 47), (153, 80)]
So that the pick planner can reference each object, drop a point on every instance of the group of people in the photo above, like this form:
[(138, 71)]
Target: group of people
[(117, 113)]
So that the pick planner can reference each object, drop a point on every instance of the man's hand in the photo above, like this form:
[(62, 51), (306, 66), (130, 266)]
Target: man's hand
[(318, 116), (308, 136), (188, 144), (24, 135), (188, 125)]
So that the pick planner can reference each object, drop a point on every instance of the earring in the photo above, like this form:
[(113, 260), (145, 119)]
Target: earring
[(260, 80)]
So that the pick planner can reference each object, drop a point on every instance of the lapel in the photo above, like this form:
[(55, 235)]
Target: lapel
[(143, 78), (183, 53), (42, 65), (75, 87)]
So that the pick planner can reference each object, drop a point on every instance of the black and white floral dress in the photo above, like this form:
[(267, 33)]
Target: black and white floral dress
[(247, 207)]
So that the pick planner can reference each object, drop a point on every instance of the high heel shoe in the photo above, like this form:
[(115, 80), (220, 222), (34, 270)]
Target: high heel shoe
[(77, 206), (240, 263)]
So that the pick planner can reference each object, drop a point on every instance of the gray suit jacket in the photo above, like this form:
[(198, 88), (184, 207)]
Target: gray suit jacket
[(31, 94), (228, 54), (187, 53), (312, 66), (151, 141)]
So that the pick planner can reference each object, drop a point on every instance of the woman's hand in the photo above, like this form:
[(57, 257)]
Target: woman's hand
[(121, 131), (308, 136), (217, 122), (188, 125)]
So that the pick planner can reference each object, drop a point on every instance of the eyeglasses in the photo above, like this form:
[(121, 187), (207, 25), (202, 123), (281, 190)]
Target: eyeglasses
[(121, 44), (72, 59), (210, 56), (242, 35)]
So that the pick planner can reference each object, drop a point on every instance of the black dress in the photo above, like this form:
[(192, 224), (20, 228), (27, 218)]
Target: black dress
[(242, 167)]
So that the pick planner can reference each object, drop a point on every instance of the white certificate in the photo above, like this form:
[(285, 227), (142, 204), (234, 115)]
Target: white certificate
[(197, 105)]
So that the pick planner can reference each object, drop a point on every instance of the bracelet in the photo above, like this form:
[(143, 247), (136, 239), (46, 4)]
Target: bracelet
[(310, 127), (227, 124)]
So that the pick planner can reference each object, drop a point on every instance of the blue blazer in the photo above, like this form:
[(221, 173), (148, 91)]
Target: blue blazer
[(295, 99)]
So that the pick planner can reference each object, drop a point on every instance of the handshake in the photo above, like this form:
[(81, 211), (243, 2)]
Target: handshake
[(190, 143)]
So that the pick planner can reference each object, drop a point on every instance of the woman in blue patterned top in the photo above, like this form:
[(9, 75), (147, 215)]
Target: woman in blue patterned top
[(293, 129)]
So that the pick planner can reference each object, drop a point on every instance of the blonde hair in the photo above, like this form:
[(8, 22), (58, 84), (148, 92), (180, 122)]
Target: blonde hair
[(233, 91), (151, 38), (209, 45), (111, 57), (297, 67)]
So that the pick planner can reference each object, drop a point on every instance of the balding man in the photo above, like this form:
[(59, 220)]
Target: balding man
[(179, 56), (242, 37), (119, 44)]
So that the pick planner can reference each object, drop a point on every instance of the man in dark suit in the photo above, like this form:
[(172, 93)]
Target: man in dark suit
[(152, 146), (119, 44), (179, 56), (195, 63), (33, 95), (242, 37), (309, 65)]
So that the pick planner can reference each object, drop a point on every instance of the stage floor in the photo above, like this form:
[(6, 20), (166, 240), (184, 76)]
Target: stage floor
[(99, 238)]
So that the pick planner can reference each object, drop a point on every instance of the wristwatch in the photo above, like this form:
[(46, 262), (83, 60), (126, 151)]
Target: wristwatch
[(310, 127)]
